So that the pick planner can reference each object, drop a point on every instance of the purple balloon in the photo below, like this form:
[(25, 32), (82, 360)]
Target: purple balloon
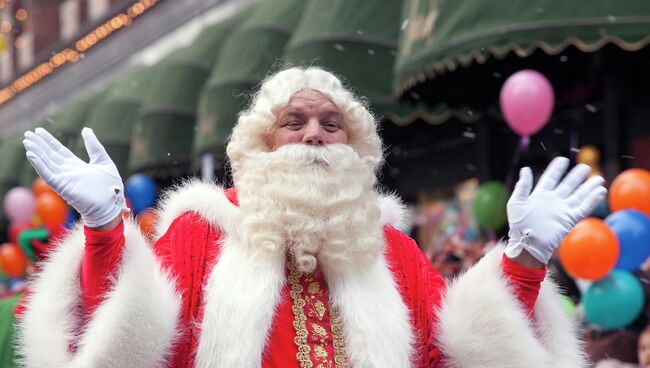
[(19, 204), (527, 101)]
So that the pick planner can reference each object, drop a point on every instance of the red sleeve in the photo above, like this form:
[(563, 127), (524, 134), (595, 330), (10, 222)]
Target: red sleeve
[(525, 282), (102, 255)]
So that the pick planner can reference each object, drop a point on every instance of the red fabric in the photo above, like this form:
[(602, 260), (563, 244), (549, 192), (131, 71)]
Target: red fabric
[(102, 256), (231, 194), (525, 282), (188, 250), (282, 350), (422, 288)]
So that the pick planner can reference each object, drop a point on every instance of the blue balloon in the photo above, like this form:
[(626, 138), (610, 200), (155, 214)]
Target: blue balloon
[(71, 218), (141, 191), (615, 301), (16, 284), (632, 228)]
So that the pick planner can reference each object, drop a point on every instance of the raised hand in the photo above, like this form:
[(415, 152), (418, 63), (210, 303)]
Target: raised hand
[(94, 189), (541, 219)]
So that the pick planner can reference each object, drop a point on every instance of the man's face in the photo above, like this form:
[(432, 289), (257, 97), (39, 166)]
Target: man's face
[(644, 350), (310, 118)]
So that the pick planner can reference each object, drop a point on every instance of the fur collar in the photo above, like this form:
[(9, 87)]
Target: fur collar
[(210, 202)]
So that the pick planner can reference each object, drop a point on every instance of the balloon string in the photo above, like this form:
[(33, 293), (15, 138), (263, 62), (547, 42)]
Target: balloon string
[(521, 148)]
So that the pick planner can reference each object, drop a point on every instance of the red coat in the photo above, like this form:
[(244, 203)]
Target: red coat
[(187, 249), (190, 248)]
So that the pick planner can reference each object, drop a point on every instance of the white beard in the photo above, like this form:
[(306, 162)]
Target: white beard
[(319, 203)]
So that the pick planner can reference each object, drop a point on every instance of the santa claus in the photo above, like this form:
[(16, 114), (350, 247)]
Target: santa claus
[(301, 264)]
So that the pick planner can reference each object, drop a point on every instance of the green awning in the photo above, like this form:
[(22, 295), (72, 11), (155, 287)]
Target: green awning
[(358, 41), (355, 39), (162, 137), (66, 125), (246, 58), (114, 115), (439, 35)]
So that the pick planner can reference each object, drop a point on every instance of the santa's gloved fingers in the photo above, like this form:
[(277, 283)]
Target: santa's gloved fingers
[(33, 147), (553, 173), (574, 178), (45, 151), (96, 151), (54, 143), (591, 202), (523, 186), (584, 190), (42, 169)]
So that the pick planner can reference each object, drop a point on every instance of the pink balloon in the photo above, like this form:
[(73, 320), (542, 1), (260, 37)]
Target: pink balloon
[(527, 101), (19, 204)]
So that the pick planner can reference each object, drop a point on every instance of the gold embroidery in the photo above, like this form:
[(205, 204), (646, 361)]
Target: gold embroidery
[(319, 330), (337, 333), (314, 288), (320, 352), (299, 317), (318, 309)]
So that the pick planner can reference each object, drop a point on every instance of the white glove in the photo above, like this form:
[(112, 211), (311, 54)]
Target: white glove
[(94, 189), (539, 221)]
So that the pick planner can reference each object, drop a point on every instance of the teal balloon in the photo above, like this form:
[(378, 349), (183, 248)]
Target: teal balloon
[(490, 205), (615, 301)]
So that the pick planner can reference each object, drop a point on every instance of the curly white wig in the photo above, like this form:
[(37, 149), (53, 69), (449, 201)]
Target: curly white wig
[(251, 131)]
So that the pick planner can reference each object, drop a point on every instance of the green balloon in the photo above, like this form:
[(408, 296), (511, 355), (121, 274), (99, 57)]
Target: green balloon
[(490, 205)]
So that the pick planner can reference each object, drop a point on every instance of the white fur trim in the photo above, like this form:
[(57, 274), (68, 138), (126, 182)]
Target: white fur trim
[(483, 325), (206, 199), (393, 211), (376, 321), (240, 300), (135, 326)]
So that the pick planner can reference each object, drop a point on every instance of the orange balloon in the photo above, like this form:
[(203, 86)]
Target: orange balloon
[(147, 220), (51, 209), (12, 260), (631, 190), (590, 251), (39, 187)]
